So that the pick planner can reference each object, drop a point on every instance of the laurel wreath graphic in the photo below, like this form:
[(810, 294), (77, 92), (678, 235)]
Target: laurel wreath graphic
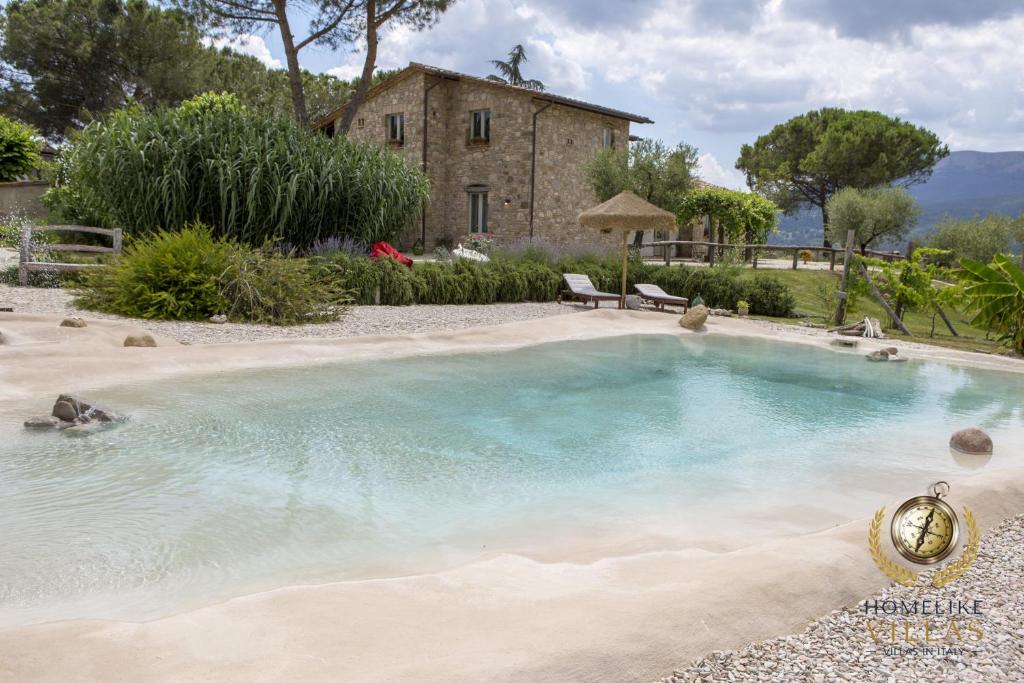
[(941, 577), (896, 572), (954, 570)]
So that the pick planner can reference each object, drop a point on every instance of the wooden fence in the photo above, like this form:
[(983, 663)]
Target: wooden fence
[(715, 250), (26, 264)]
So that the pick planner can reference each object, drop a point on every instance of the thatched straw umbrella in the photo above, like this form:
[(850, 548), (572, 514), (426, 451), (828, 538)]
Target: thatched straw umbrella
[(625, 211)]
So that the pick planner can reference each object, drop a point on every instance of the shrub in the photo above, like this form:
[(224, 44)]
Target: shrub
[(252, 177), (191, 275), (995, 295), (356, 274), (438, 283), (768, 296), (397, 283), (19, 149), (979, 238), (264, 286), (170, 276)]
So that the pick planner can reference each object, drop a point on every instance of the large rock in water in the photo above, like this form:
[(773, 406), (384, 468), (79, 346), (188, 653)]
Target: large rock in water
[(971, 441), (71, 411), (694, 318)]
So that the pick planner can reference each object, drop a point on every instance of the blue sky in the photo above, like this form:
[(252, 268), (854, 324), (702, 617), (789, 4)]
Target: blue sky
[(717, 73)]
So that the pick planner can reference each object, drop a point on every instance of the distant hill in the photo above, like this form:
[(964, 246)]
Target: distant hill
[(963, 185)]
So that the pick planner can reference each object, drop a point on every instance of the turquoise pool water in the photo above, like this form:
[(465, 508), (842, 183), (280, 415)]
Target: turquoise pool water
[(240, 482)]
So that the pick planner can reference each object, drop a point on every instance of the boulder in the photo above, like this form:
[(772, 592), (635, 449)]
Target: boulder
[(694, 318), (221, 319), (891, 350), (143, 340), (42, 422), (71, 412), (878, 356), (633, 302), (971, 441), (72, 322), (101, 414), (65, 410)]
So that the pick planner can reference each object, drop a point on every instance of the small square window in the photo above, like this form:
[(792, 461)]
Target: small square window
[(361, 123), (480, 126), (608, 138), (396, 128), (478, 212)]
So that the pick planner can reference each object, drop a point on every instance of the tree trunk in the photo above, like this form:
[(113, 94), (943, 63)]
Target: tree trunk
[(368, 66), (638, 239), (292, 57), (822, 202), (844, 283)]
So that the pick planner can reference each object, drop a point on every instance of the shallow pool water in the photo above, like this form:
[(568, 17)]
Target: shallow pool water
[(573, 450)]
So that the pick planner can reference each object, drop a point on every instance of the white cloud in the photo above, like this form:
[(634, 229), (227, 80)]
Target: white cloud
[(347, 71), (710, 170), (712, 72), (248, 44)]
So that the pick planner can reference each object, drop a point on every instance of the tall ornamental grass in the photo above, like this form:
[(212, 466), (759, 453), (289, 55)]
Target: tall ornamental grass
[(253, 178)]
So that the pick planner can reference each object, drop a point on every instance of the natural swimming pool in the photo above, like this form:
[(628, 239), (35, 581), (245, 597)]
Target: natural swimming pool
[(563, 451)]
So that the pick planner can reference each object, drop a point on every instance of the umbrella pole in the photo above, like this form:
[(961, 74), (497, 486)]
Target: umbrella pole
[(625, 254)]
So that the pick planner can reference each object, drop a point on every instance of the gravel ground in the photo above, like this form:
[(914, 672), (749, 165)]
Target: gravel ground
[(360, 320), (839, 648)]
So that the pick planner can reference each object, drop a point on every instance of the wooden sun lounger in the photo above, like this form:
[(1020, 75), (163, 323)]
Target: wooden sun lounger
[(659, 297), (580, 287)]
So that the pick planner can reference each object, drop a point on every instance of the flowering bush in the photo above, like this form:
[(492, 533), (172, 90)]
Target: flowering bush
[(479, 242)]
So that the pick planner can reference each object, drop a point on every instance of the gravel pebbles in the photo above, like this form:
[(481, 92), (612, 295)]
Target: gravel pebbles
[(359, 320), (838, 647)]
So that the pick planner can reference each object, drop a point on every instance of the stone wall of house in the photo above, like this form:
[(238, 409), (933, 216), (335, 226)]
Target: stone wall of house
[(567, 140), (501, 166)]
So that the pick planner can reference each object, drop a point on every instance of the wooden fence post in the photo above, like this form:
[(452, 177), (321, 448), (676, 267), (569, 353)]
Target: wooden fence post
[(847, 262), (796, 255), (24, 254), (832, 260)]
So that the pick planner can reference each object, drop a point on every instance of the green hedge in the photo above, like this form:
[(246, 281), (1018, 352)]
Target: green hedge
[(508, 280)]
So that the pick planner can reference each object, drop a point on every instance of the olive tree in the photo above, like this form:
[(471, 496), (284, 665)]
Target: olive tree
[(880, 213)]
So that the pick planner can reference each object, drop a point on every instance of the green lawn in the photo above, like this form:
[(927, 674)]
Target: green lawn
[(805, 283)]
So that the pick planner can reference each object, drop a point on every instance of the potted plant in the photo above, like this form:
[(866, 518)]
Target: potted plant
[(743, 308), (417, 248)]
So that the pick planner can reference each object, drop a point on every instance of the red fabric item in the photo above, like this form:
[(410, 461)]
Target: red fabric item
[(384, 249)]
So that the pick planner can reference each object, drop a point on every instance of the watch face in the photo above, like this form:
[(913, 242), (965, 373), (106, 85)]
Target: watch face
[(924, 530)]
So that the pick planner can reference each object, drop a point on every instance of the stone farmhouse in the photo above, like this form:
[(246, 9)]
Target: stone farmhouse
[(502, 160)]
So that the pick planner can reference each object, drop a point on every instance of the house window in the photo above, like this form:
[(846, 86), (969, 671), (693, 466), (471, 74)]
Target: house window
[(608, 138), (478, 212), (480, 129), (361, 123), (396, 128)]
